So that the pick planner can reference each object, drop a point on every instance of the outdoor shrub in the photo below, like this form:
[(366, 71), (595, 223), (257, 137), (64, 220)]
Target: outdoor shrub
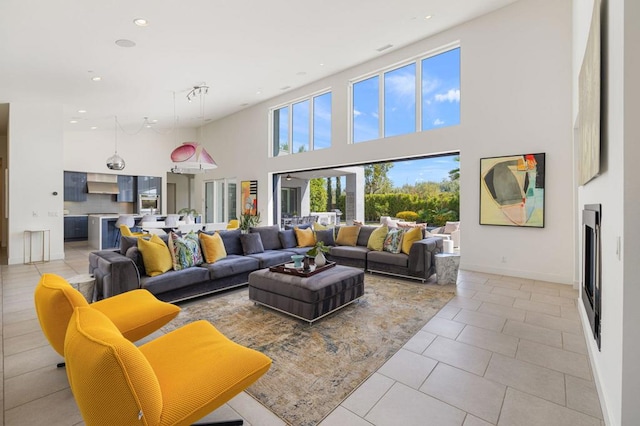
[(407, 215)]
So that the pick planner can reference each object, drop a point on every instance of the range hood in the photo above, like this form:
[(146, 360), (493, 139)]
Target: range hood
[(98, 183)]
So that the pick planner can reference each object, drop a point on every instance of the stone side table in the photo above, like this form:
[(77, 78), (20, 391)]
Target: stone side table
[(447, 265), (85, 284)]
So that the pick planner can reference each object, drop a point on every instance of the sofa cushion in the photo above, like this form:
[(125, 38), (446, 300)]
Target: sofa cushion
[(185, 251), (393, 240), (173, 280), (212, 247), (387, 258), (272, 257), (231, 265), (300, 226), (269, 236), (305, 237), (450, 227), (409, 237), (134, 254), (348, 235), (376, 239), (155, 255), (351, 252), (364, 234), (231, 240), (288, 238), (251, 243), (326, 236)]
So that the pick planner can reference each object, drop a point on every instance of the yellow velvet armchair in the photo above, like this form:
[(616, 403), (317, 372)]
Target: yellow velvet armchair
[(175, 379), (136, 313)]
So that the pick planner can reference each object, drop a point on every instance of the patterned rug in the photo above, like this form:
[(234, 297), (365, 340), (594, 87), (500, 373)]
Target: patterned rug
[(316, 367)]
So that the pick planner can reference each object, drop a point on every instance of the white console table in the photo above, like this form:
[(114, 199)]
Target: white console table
[(45, 245)]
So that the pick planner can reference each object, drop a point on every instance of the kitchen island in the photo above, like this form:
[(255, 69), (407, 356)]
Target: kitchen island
[(103, 233)]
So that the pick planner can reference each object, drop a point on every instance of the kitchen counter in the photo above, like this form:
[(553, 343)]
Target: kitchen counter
[(103, 233)]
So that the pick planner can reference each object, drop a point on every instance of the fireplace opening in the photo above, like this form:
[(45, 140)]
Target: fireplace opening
[(591, 290)]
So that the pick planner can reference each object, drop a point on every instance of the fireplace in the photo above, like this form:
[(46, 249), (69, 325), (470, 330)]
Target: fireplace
[(591, 289)]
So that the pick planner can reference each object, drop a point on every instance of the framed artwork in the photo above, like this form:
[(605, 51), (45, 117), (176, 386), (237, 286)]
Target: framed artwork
[(249, 191), (512, 190), (588, 124)]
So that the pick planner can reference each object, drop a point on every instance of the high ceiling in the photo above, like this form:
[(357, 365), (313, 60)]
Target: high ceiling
[(246, 52)]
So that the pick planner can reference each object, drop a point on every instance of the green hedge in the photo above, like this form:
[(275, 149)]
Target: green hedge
[(434, 210)]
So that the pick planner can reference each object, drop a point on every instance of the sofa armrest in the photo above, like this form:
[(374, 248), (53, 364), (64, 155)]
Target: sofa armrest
[(114, 273), (421, 256)]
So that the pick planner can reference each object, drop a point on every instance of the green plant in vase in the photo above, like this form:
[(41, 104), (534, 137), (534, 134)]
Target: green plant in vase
[(248, 220), (317, 252)]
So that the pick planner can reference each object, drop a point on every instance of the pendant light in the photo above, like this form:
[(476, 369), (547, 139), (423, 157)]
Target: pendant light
[(115, 162), (191, 157)]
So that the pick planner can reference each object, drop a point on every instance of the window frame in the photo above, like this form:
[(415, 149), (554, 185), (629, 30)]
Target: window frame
[(311, 134), (380, 73)]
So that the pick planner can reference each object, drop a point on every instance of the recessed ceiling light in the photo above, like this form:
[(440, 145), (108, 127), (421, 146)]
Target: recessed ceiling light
[(93, 127), (141, 22), (258, 92), (73, 121), (82, 111), (96, 78), (385, 47), (426, 18), (321, 64), (123, 42)]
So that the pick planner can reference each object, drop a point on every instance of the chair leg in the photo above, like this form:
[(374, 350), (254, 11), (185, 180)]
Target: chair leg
[(61, 365), (115, 243)]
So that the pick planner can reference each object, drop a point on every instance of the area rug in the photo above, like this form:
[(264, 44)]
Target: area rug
[(315, 367)]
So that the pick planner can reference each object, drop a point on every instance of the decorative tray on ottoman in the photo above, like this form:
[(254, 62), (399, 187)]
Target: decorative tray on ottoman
[(288, 268)]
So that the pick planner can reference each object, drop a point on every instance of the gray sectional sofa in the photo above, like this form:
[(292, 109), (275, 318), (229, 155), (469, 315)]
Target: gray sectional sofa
[(118, 271)]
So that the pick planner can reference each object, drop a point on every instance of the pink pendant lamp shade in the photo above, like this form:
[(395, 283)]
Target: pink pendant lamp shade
[(190, 157)]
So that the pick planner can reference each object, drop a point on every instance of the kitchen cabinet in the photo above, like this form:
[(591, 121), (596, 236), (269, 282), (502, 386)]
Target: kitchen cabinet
[(75, 186), (76, 228), (126, 187), (149, 185)]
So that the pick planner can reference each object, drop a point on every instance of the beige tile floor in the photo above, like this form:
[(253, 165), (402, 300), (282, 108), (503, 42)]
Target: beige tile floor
[(505, 351)]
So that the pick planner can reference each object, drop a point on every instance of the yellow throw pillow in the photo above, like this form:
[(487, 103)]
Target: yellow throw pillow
[(376, 239), (305, 237), (212, 247), (155, 255), (319, 227), (410, 237), (348, 235)]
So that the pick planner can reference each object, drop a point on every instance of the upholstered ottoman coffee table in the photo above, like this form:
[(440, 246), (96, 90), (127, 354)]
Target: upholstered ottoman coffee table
[(307, 298)]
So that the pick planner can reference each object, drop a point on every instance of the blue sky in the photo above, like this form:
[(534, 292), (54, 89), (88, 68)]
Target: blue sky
[(423, 170)]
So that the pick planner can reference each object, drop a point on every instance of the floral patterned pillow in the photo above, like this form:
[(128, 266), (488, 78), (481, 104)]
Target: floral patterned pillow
[(393, 241), (185, 251)]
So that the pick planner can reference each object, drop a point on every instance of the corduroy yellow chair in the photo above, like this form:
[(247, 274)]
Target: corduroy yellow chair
[(175, 379), (136, 313), (233, 224)]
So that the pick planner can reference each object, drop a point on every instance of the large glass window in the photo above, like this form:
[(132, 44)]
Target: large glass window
[(400, 101), (435, 80), (302, 126), (322, 121), (365, 110), (441, 90)]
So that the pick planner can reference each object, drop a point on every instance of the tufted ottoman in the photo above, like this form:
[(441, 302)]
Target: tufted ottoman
[(309, 298)]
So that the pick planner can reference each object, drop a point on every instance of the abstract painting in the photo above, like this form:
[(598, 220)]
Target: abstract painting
[(249, 190), (512, 190)]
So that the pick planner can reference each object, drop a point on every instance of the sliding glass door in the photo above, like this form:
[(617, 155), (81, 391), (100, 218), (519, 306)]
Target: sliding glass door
[(220, 200)]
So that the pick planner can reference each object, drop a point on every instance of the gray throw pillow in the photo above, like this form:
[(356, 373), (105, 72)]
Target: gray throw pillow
[(231, 241), (251, 243), (288, 238), (326, 236), (269, 236)]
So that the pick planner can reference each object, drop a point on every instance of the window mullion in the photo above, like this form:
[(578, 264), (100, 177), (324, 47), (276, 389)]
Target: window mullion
[(310, 142), (290, 129), (418, 95), (381, 110)]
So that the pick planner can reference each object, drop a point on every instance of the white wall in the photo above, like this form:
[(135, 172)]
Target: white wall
[(35, 172), (617, 188), (516, 99)]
